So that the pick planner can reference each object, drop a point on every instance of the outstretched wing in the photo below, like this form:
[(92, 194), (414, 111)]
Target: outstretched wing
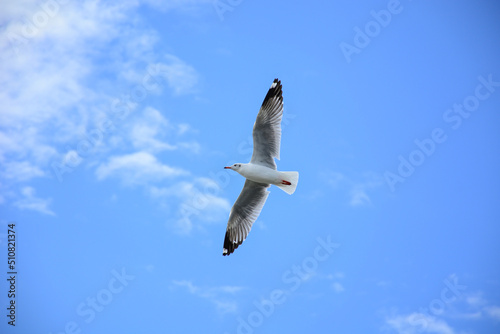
[(267, 128), (244, 213)]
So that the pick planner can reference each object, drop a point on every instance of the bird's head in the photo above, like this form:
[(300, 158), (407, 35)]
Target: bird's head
[(234, 167)]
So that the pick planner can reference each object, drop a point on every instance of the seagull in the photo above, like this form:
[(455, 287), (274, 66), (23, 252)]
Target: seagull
[(260, 172)]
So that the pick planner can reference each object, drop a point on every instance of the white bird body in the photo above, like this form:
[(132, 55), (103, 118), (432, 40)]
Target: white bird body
[(261, 172), (266, 175)]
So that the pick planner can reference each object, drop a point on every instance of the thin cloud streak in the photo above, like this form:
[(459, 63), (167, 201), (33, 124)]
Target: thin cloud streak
[(137, 168), (357, 190), (222, 297), (30, 202)]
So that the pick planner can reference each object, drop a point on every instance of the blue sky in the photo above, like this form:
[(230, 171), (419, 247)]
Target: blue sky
[(117, 118)]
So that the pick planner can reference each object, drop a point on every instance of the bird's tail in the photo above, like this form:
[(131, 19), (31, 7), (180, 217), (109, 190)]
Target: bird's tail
[(289, 177)]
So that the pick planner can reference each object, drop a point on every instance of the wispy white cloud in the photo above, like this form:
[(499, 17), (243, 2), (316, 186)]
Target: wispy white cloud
[(470, 307), (183, 128), (418, 323), (188, 285), (21, 171), (493, 312), (188, 6), (335, 178), (336, 277), (181, 77), (337, 287), (199, 201), (62, 75), (30, 202), (222, 297), (359, 196), (383, 283), (476, 307), (144, 132), (152, 132), (357, 190), (475, 299), (137, 168), (191, 201), (47, 75)]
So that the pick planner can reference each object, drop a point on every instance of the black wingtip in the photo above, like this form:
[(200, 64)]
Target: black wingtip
[(274, 91), (229, 246)]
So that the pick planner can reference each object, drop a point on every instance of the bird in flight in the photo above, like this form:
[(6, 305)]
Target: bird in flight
[(260, 172)]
